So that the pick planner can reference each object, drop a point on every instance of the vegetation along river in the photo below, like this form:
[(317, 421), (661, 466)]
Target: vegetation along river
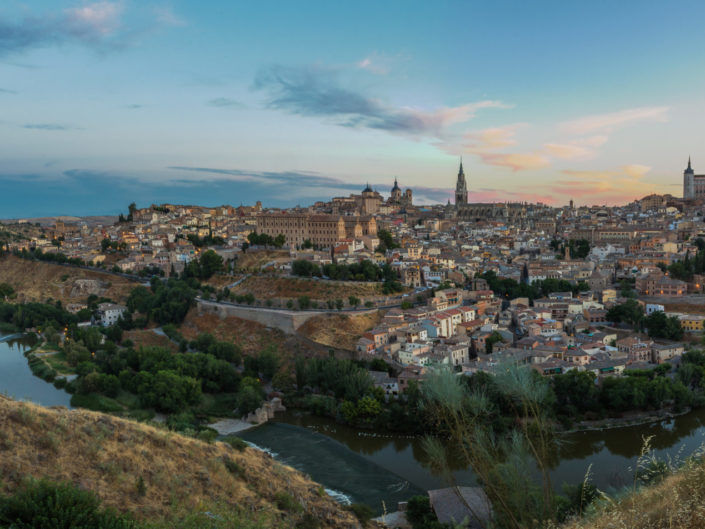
[(371, 466)]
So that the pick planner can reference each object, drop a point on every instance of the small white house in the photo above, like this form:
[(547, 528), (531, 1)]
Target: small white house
[(110, 313)]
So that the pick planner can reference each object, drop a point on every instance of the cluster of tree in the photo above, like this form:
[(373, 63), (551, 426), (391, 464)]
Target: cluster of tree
[(262, 239), (365, 270), (165, 301), (203, 268), (51, 257), (658, 324), (6, 291), (689, 266), (36, 315), (106, 244), (386, 241), (208, 240), (344, 390), (579, 248), (576, 393)]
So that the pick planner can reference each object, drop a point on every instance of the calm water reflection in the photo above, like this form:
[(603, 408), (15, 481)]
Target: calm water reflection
[(17, 380), (612, 453)]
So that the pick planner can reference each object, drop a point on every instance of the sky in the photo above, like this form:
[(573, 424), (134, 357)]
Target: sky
[(228, 102)]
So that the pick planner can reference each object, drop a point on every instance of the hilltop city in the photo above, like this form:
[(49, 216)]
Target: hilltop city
[(466, 284)]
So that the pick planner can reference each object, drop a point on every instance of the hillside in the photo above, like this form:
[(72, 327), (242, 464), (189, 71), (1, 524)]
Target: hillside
[(339, 330), (184, 478), (675, 502), (38, 281), (268, 287)]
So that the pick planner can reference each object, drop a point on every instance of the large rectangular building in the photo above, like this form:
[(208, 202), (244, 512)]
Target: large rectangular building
[(321, 230)]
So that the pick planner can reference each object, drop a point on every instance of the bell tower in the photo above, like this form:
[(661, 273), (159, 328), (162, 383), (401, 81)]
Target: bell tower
[(461, 188), (688, 182)]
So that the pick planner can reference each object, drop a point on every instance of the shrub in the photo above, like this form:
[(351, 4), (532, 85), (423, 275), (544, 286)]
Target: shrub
[(361, 511), (141, 487), (208, 435), (44, 505), (286, 502), (233, 467), (236, 442)]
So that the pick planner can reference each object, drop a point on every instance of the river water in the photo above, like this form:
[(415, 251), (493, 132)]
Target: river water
[(296, 437), (17, 380)]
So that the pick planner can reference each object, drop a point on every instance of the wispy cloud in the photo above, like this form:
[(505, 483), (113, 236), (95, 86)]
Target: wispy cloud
[(223, 102), (488, 144), (135, 106), (377, 63), (609, 122), (316, 92), (98, 25), (49, 126), (6, 91)]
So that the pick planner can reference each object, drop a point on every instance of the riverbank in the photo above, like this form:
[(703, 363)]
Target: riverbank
[(634, 419)]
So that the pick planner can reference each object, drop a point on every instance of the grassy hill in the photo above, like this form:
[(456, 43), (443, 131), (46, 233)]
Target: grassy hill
[(163, 479), (675, 501), (38, 281)]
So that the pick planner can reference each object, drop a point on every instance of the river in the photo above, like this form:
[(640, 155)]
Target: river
[(17, 380), (610, 454)]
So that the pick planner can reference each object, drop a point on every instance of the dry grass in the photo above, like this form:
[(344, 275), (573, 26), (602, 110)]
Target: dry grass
[(268, 287), (108, 456), (251, 336), (339, 330), (256, 259), (148, 338), (38, 281), (677, 502)]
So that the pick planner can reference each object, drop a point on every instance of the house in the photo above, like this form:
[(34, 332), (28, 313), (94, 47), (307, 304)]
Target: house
[(661, 353), (636, 349), (110, 313), (381, 379), (365, 346)]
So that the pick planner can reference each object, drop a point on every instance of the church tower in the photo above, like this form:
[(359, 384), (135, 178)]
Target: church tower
[(689, 182), (396, 193), (461, 188)]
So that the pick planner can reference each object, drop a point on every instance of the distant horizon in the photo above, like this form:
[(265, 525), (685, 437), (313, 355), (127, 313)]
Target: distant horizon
[(291, 103)]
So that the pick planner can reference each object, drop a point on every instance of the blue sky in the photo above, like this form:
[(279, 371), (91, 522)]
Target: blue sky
[(104, 103)]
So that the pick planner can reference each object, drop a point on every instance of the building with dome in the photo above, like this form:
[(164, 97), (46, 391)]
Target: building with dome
[(397, 198)]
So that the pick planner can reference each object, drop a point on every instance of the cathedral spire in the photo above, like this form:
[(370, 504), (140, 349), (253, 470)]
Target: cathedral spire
[(460, 171), (689, 162)]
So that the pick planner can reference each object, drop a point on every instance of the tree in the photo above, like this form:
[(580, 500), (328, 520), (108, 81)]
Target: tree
[(210, 263), (353, 301), (132, 209), (661, 326)]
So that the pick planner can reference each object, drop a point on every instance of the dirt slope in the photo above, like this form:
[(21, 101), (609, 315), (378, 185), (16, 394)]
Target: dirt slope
[(339, 330), (38, 281), (183, 476)]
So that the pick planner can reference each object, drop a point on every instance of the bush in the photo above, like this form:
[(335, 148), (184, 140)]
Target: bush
[(233, 467), (46, 505), (236, 442), (208, 435), (361, 511), (286, 502)]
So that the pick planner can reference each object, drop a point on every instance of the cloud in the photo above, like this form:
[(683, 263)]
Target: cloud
[(135, 106), (223, 102), (615, 120), (98, 25), (376, 63), (49, 126), (609, 186), (6, 91), (488, 143), (316, 92)]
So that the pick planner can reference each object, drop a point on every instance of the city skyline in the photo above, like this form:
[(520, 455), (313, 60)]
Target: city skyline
[(105, 103)]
